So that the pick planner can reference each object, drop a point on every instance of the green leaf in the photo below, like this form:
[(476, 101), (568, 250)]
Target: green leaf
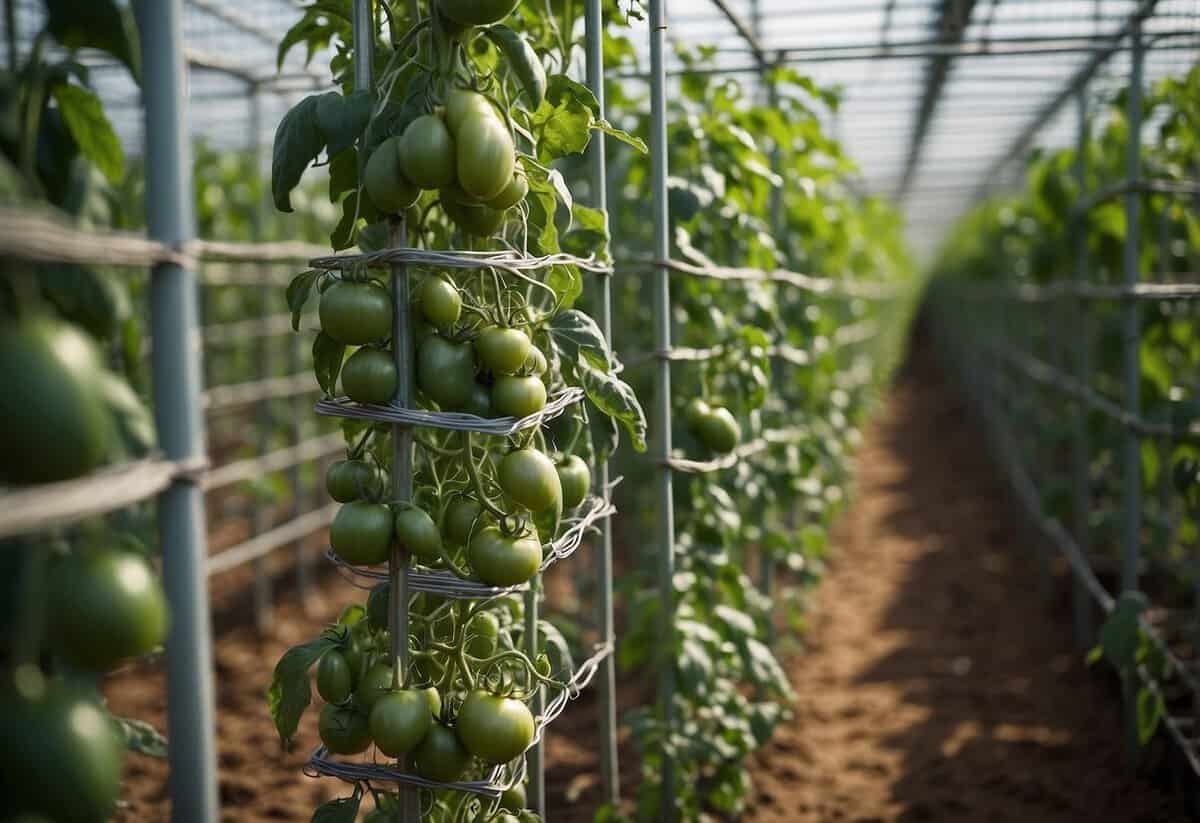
[(139, 736), (342, 810), (522, 61), (290, 691), (565, 118), (133, 420), (298, 142), (552, 640), (327, 362), (620, 134), (84, 115), (298, 292), (589, 236), (343, 174), (96, 24), (89, 297), (342, 120), (614, 397), (575, 332), (1119, 634), (1150, 710)]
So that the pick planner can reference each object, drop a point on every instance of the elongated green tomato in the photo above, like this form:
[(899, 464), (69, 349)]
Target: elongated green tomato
[(427, 152), (477, 12), (482, 634), (106, 607), (361, 533), (440, 756), (535, 363), (446, 371), (529, 478), (348, 480), (374, 684), (475, 220), (464, 103), (356, 313), (512, 194), (386, 185), (55, 425), (62, 756), (720, 430), (369, 376), (486, 155), (576, 480), (344, 729), (495, 729), (399, 721), (501, 560), (518, 396), (513, 799), (417, 532), (334, 681), (694, 414), (460, 519), (440, 301), (501, 350), (479, 403)]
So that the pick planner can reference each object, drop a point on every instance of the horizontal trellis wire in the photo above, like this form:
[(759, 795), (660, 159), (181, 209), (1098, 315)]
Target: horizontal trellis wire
[(450, 421)]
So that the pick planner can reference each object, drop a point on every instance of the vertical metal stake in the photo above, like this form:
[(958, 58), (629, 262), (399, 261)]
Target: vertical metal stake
[(535, 758), (179, 417), (262, 581), (1081, 602)]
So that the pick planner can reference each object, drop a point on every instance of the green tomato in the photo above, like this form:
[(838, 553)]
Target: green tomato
[(106, 607), (356, 313), (427, 152), (386, 185), (476, 220), (495, 729), (694, 414), (480, 402), (477, 12), (501, 560), (417, 532), (62, 755), (575, 478), (720, 431), (348, 480), (513, 799), (56, 424), (483, 632), (369, 376), (361, 533), (462, 104), (399, 721), (434, 698), (512, 194), (518, 396), (460, 520), (446, 371), (502, 351), (335, 683), (535, 363), (352, 615), (374, 684), (440, 301), (529, 478), (379, 603), (440, 756), (355, 653), (486, 156), (344, 729)]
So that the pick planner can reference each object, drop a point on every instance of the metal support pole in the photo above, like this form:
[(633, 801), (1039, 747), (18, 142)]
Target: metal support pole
[(1131, 458), (262, 581), (1081, 490), (766, 560), (662, 395), (606, 676), (535, 758), (179, 417)]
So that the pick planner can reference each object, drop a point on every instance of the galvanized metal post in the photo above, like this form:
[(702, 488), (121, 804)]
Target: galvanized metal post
[(606, 676), (766, 559), (662, 394), (179, 416), (262, 581), (535, 762), (1131, 457), (1081, 491)]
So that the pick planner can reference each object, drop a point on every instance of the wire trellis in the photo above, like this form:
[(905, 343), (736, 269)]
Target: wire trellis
[(450, 421)]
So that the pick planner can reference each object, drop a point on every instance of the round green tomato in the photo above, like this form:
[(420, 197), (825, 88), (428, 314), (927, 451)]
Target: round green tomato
[(518, 396), (355, 653), (501, 560), (352, 615), (460, 520), (575, 478), (334, 680), (106, 607), (513, 799), (511, 194), (361, 533), (399, 721), (477, 220), (427, 152), (535, 363), (446, 371), (720, 431), (480, 402), (62, 756), (694, 414), (369, 376), (464, 103), (344, 729), (440, 301), (502, 351), (486, 156), (379, 602), (417, 532), (356, 313), (477, 12), (482, 634), (348, 480), (374, 684), (440, 756), (495, 729), (529, 478), (386, 185), (56, 425)]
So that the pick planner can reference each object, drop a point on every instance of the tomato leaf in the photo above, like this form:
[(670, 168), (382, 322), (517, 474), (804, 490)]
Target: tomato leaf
[(327, 362), (342, 810), (343, 173), (1150, 710), (575, 332), (614, 397), (96, 24), (139, 736), (298, 292), (84, 115), (625, 137), (290, 691), (1119, 634), (342, 119), (298, 142)]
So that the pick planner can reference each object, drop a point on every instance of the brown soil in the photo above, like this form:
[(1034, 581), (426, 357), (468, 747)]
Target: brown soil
[(937, 685)]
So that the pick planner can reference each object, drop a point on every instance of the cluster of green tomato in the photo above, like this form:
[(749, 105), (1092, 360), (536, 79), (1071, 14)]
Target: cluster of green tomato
[(715, 426)]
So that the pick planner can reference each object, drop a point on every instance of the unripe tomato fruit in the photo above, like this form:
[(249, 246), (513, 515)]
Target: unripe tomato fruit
[(440, 301), (106, 607), (464, 103), (379, 602), (334, 680), (369, 376), (386, 185), (477, 220), (399, 721), (460, 519), (427, 152), (575, 478), (486, 155), (440, 756), (416, 531), (694, 414), (720, 430), (479, 403), (56, 424), (477, 12), (518, 396), (348, 480), (356, 313), (501, 560), (529, 478), (374, 684), (513, 799), (512, 194), (446, 371), (502, 351), (495, 729), (361, 533), (535, 363), (482, 634), (352, 615), (434, 698), (344, 729)]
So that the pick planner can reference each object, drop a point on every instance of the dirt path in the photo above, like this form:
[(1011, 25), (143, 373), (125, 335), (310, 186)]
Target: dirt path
[(938, 687)]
